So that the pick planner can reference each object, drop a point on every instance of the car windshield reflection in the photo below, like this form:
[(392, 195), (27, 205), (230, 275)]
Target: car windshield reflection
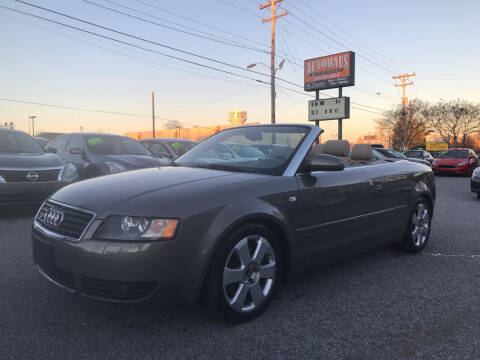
[(260, 149)]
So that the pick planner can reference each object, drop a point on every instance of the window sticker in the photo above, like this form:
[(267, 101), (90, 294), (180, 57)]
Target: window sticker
[(95, 141), (175, 146)]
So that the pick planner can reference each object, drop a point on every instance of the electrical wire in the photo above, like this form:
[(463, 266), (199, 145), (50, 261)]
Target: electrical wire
[(141, 39)]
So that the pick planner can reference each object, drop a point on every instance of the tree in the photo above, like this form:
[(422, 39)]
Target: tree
[(454, 120), (173, 124), (408, 124)]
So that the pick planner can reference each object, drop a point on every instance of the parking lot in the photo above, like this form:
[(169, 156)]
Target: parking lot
[(384, 304)]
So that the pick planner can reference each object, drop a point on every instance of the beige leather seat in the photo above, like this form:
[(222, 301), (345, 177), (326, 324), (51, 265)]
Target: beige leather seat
[(362, 154), (339, 148)]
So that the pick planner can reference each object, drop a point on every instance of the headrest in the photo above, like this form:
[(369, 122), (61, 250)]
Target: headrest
[(362, 152), (340, 148), (317, 149)]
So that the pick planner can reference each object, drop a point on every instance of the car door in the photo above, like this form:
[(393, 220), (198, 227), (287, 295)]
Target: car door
[(344, 210), (76, 154)]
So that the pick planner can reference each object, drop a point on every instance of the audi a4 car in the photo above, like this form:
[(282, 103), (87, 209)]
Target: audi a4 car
[(225, 234), (97, 154), (28, 174), (456, 161)]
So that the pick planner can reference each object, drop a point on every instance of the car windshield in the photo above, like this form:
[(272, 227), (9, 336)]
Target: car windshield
[(114, 145), (413, 154), (453, 154), (181, 147), (18, 142), (389, 153), (236, 149)]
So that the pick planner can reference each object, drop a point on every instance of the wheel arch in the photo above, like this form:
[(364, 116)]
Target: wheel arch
[(272, 223)]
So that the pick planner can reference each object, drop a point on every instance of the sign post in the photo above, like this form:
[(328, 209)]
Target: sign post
[(328, 72)]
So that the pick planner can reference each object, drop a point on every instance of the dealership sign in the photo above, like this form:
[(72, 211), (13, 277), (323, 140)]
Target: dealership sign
[(329, 109), (332, 71)]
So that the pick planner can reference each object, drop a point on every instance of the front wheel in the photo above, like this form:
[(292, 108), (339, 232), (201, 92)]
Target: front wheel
[(244, 274), (418, 229)]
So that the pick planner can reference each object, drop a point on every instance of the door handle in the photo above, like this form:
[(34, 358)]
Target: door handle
[(377, 183)]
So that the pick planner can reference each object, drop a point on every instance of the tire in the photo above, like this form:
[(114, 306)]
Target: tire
[(478, 195), (244, 274), (418, 229)]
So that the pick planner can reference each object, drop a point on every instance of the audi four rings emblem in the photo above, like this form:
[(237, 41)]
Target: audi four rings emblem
[(52, 216)]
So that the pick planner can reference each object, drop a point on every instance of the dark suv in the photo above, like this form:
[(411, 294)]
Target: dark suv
[(103, 154), (28, 174)]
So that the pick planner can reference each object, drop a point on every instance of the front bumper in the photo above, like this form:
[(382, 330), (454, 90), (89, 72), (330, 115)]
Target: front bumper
[(458, 170), (118, 271), (27, 193)]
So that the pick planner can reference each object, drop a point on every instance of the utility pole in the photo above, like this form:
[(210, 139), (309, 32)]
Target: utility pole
[(33, 117), (273, 8), (153, 114), (404, 84)]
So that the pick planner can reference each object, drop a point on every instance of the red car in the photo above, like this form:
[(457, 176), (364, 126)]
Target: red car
[(455, 161)]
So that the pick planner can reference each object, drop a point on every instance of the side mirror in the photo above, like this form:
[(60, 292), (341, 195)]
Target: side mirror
[(322, 162), (76, 151), (52, 149)]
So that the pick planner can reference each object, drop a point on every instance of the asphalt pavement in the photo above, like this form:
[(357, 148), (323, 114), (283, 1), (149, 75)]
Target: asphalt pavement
[(380, 305)]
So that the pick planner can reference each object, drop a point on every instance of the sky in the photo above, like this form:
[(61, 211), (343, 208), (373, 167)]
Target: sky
[(47, 63)]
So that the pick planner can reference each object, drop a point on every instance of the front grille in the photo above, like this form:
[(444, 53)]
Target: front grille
[(43, 256), (117, 290), (64, 220), (23, 175), (447, 166)]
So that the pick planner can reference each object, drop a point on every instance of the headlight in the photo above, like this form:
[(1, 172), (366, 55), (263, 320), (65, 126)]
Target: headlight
[(70, 173), (462, 164), (476, 173), (114, 167), (130, 228), (2, 180)]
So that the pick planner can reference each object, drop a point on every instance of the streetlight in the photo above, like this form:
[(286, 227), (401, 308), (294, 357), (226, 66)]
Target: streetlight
[(273, 93), (33, 117)]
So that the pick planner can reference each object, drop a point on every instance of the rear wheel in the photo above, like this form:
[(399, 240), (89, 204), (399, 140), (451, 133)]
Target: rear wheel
[(478, 195), (244, 274), (418, 229)]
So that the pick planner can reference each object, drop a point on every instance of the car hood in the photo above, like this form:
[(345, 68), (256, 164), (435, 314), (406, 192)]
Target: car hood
[(135, 161), (141, 191), (450, 161), (29, 161)]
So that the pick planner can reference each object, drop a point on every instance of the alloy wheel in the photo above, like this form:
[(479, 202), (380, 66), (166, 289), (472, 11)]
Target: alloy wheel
[(249, 273), (421, 225)]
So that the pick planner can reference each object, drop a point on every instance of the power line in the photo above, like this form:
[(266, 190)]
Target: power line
[(204, 74), (167, 55), (141, 39), (348, 33), (135, 46), (176, 29), (67, 107)]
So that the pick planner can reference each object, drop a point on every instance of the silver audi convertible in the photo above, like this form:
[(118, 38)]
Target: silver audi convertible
[(224, 231)]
